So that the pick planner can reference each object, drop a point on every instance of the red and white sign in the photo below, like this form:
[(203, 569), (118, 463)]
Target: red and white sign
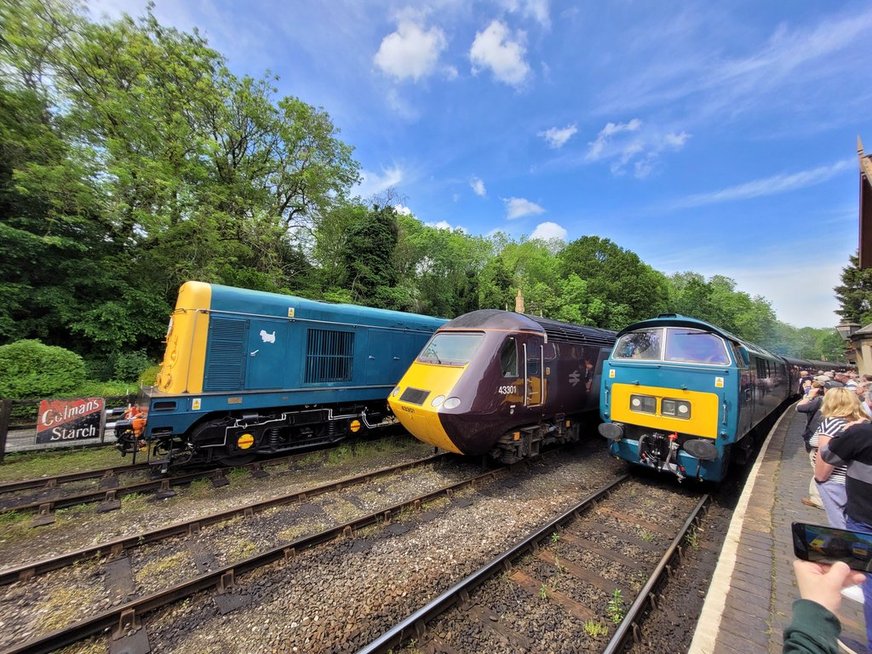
[(68, 420)]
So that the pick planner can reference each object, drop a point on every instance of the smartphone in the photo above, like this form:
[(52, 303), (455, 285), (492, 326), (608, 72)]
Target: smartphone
[(828, 545)]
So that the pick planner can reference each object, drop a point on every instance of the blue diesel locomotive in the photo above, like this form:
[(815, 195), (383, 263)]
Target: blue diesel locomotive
[(683, 396), (247, 372)]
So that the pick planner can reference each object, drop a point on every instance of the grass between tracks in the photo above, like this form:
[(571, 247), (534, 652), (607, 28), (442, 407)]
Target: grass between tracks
[(30, 465)]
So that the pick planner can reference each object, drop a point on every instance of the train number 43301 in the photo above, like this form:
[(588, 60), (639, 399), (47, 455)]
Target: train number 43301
[(507, 390)]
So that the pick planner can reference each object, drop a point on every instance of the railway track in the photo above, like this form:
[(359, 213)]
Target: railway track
[(110, 490), (125, 619), (579, 575), (120, 547)]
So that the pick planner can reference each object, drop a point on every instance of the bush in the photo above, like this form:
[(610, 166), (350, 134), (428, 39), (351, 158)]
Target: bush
[(129, 365), (148, 377), (29, 368)]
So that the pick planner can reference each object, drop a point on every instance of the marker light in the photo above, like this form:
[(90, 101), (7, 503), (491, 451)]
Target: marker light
[(452, 403)]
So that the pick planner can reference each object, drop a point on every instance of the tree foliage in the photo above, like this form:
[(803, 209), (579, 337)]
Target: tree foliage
[(133, 159), (855, 292)]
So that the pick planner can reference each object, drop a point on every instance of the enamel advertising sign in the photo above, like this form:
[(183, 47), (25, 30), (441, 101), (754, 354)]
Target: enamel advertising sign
[(69, 420)]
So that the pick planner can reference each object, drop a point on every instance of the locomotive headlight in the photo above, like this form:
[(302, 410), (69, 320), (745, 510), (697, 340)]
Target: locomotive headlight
[(452, 403), (437, 401), (643, 403), (675, 408), (396, 391)]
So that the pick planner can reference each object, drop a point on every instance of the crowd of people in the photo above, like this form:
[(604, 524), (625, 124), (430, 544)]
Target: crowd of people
[(838, 439)]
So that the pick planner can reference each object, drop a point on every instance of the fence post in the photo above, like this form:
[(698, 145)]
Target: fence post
[(5, 413)]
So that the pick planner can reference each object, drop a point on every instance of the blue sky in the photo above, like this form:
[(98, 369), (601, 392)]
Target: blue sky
[(718, 138)]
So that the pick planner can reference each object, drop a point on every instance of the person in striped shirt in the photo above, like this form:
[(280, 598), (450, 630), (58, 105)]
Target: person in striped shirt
[(840, 408)]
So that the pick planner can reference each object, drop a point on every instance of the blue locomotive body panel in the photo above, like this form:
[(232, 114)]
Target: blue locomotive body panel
[(283, 360)]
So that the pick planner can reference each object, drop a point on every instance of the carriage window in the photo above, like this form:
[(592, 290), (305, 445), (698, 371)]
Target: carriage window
[(643, 344), (695, 346), (450, 349), (509, 358)]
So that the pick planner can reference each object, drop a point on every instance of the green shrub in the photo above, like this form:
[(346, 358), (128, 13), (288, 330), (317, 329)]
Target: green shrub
[(129, 365), (29, 368), (149, 376)]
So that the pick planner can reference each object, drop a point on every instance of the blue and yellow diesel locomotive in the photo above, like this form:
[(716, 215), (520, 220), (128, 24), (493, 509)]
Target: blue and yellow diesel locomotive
[(247, 372), (683, 396), (502, 384)]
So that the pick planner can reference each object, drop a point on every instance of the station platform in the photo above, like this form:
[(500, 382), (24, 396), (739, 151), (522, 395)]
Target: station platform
[(750, 598)]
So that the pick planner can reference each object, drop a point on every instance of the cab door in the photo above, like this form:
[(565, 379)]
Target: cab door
[(534, 370)]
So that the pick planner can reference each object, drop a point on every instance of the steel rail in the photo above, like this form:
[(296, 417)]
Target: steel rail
[(222, 577), (152, 484), (118, 546), (416, 621), (628, 625), (51, 482)]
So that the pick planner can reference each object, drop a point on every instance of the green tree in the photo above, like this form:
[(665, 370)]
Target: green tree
[(628, 289), (855, 292), (368, 259)]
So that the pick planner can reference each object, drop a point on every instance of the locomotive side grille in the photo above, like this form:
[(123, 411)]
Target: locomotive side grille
[(329, 355), (414, 396), (225, 364), (560, 333)]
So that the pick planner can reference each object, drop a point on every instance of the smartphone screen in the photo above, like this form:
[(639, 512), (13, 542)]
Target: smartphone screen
[(828, 545)]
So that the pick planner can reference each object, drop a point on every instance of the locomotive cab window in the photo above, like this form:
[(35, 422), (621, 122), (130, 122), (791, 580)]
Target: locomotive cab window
[(643, 344), (509, 358), (685, 345), (451, 349)]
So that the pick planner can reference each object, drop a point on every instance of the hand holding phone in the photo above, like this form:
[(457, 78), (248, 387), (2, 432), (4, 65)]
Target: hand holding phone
[(823, 583)]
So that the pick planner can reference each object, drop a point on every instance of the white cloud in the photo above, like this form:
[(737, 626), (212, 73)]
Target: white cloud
[(769, 185), (520, 207), (411, 52), (498, 50), (595, 151), (478, 187), (548, 230), (373, 183), (557, 137), (538, 10), (444, 224), (402, 210), (628, 144)]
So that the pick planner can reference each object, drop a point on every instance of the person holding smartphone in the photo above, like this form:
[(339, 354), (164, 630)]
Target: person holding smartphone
[(815, 628), (854, 448)]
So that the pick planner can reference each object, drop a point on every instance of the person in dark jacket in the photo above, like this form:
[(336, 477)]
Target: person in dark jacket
[(854, 448)]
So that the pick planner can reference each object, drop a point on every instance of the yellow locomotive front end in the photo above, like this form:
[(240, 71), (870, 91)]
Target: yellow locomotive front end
[(417, 398)]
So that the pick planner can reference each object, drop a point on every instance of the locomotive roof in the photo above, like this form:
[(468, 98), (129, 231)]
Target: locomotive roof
[(510, 321), (231, 300)]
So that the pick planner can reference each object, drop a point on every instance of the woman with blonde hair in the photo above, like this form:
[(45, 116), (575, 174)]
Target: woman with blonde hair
[(840, 408)]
